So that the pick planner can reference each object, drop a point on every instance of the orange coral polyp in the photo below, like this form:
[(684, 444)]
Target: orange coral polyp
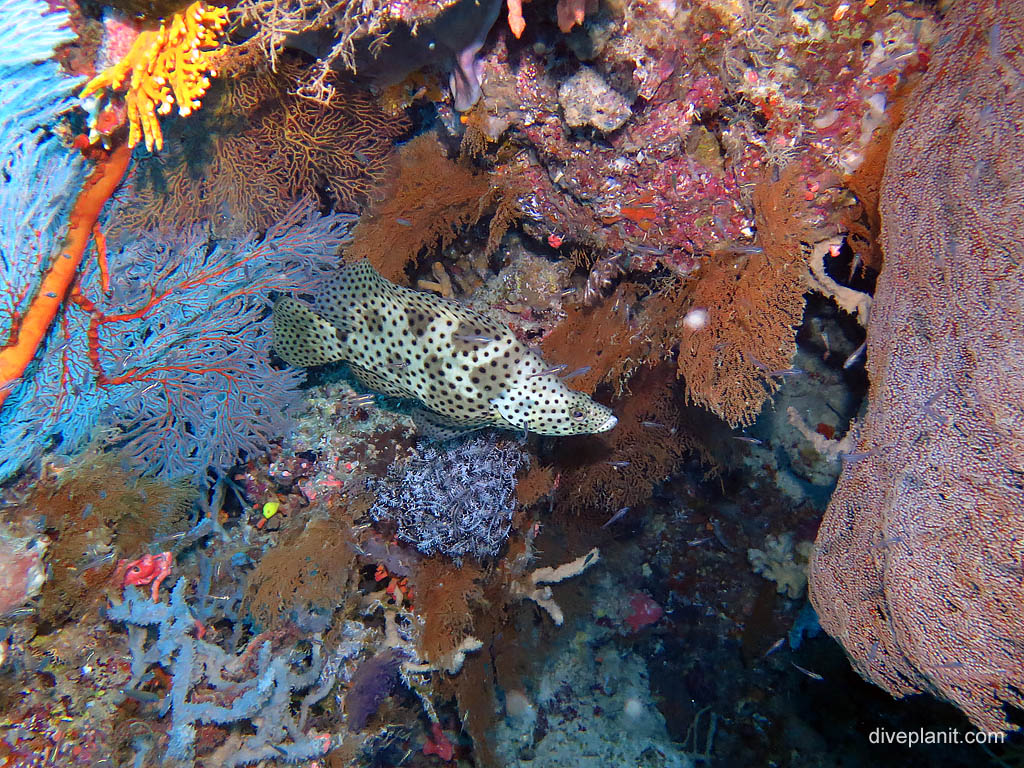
[(171, 65)]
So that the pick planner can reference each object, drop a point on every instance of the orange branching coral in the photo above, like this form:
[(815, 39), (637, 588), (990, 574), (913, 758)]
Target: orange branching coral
[(754, 301), (313, 570), (570, 13), (444, 594), (515, 17), (432, 199), (169, 66), (264, 148), (30, 329), (602, 474), (862, 222), (747, 302), (598, 338), (533, 485)]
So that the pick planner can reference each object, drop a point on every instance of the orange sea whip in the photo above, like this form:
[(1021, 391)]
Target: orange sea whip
[(35, 323)]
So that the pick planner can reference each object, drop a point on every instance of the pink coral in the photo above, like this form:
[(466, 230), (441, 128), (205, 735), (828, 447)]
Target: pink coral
[(148, 569), (22, 571), (644, 611)]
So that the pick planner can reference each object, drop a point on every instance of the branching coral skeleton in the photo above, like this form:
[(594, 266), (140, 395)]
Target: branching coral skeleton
[(856, 303), (531, 587)]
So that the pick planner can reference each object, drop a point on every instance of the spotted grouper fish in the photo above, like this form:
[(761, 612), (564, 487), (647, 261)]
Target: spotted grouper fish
[(467, 370)]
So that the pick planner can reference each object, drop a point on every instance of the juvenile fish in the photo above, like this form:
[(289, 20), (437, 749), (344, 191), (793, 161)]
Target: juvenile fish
[(855, 356), (775, 646), (809, 673), (552, 371), (577, 372), (616, 517)]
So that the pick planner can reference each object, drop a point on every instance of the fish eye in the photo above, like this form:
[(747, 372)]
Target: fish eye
[(577, 414)]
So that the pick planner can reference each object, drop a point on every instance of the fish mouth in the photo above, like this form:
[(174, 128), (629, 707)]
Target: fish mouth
[(612, 421)]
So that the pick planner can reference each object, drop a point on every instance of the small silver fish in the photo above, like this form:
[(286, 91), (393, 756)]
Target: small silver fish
[(359, 401), (555, 369), (775, 646), (616, 517), (809, 673), (577, 372), (473, 339), (855, 356)]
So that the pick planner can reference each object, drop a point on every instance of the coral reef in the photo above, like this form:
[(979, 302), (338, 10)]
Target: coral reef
[(352, 35), (783, 562), (96, 511), (686, 178), (588, 673), (603, 474), (754, 301), (916, 569), (164, 343), (22, 571), (587, 99), (680, 206), (210, 686), (431, 200), (301, 575), (39, 180)]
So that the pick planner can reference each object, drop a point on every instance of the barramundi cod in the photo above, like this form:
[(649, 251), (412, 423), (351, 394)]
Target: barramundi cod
[(467, 370)]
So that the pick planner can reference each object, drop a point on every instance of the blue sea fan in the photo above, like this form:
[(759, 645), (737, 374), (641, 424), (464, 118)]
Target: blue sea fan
[(38, 179), (29, 32), (170, 361), (173, 362)]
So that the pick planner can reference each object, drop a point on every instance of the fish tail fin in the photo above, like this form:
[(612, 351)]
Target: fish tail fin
[(302, 338)]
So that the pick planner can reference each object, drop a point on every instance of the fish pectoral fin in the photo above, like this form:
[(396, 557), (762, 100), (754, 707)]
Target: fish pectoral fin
[(505, 408), (301, 337), (436, 427)]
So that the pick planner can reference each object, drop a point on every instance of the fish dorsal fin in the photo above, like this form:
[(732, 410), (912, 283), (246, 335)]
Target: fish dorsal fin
[(302, 338), (362, 269)]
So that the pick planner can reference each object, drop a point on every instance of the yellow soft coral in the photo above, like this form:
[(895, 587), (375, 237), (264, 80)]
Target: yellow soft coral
[(168, 66)]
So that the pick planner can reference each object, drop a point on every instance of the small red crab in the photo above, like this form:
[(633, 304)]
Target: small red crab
[(148, 569)]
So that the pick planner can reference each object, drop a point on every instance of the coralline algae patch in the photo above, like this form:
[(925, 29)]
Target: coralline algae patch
[(344, 434), (685, 109)]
